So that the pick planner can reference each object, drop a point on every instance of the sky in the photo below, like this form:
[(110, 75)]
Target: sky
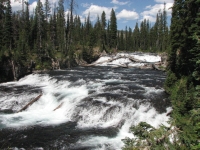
[(128, 12)]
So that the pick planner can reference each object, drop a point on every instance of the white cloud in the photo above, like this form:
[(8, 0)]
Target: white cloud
[(119, 3), (164, 1), (128, 15), (95, 10), (85, 5), (151, 11), (17, 5), (150, 18)]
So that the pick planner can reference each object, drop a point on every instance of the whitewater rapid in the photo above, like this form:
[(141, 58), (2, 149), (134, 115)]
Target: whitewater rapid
[(123, 59), (100, 104)]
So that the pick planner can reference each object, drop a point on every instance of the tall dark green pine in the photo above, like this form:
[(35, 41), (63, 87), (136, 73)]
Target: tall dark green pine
[(7, 39), (47, 13), (47, 9), (61, 26), (126, 39), (27, 26), (178, 59), (97, 32), (136, 38), (103, 30), (77, 30), (2, 15), (53, 31), (194, 38), (108, 35), (160, 31), (88, 27), (113, 29), (121, 41), (165, 42), (143, 35), (70, 36), (39, 16)]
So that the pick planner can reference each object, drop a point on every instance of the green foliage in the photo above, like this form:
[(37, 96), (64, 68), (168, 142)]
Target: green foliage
[(113, 29), (7, 39), (147, 137), (170, 81)]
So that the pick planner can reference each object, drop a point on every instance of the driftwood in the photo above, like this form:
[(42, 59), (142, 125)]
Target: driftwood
[(58, 106), (30, 103), (154, 67), (169, 113)]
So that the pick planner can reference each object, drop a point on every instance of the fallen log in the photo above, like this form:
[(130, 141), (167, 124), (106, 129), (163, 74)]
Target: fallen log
[(30, 103), (58, 106), (155, 67)]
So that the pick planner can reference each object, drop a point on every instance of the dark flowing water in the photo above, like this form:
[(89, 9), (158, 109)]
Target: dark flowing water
[(99, 106)]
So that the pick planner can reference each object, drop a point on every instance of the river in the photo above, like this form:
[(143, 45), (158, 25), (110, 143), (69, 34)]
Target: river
[(99, 105)]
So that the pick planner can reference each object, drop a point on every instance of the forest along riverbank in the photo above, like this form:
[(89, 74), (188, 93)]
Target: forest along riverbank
[(81, 108)]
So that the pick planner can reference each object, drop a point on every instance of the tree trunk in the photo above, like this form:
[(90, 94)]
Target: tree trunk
[(58, 106), (30, 103), (13, 70)]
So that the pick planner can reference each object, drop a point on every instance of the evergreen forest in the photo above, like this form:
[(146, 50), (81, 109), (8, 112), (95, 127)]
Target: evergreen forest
[(44, 37)]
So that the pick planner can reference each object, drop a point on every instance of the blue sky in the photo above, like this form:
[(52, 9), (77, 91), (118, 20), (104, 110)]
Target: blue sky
[(128, 12)]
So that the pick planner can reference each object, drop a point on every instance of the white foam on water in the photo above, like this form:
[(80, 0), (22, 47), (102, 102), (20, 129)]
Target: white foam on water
[(144, 113), (41, 112), (117, 61), (136, 64), (104, 58), (120, 61), (148, 58)]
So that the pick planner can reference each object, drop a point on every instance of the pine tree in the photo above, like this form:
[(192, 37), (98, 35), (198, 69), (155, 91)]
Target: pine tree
[(108, 35), (194, 39), (77, 29), (121, 41), (47, 9), (61, 26), (53, 31), (178, 56), (165, 41), (7, 40), (97, 32), (103, 30), (136, 37), (2, 15), (113, 29), (26, 30), (126, 39), (39, 16)]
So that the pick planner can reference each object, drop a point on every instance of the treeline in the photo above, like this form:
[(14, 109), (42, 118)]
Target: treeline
[(46, 34), (145, 37), (182, 83)]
